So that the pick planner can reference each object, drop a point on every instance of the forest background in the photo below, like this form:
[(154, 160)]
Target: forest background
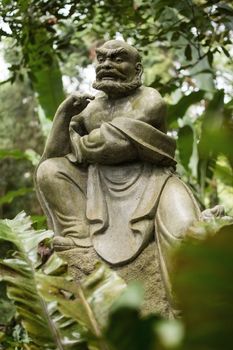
[(48, 52)]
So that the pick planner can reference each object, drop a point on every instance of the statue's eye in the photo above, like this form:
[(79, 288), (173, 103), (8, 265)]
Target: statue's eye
[(100, 59), (118, 59)]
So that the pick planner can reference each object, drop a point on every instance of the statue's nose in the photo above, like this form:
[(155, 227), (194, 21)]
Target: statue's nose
[(107, 64)]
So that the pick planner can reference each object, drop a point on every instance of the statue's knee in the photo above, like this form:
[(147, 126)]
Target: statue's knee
[(47, 172), (177, 208)]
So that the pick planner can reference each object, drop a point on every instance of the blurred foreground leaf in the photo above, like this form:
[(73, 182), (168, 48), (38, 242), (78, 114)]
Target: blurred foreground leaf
[(204, 286), (128, 330), (7, 308)]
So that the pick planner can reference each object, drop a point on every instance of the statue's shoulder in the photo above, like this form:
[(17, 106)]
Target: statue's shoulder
[(150, 98), (152, 107), (151, 94)]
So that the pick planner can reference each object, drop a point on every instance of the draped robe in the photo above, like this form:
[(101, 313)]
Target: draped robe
[(128, 189), (122, 198)]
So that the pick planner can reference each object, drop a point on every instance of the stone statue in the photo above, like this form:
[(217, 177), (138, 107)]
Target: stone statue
[(107, 179)]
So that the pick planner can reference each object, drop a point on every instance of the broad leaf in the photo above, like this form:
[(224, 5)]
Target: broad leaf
[(178, 110), (215, 138), (128, 330), (18, 271), (203, 283), (57, 312), (48, 85)]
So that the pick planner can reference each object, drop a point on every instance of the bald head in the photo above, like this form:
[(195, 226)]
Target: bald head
[(119, 46)]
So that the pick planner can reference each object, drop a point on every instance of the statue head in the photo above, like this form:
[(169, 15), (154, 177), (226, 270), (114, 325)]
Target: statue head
[(118, 69)]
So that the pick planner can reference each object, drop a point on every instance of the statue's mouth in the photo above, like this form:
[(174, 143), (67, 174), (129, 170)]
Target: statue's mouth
[(110, 75), (108, 78)]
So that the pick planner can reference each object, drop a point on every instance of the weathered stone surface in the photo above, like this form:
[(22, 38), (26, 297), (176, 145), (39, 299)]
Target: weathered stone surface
[(106, 179), (145, 269)]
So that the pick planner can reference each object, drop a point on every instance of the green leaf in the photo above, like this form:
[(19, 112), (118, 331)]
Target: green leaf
[(132, 297), (203, 284), (224, 172), (39, 221), (214, 138), (32, 156), (48, 85), (11, 195), (210, 57), (93, 296), (29, 154), (57, 312), (175, 36), (54, 266), (7, 308), (19, 274), (188, 52), (185, 144), (179, 109), (16, 154), (127, 330)]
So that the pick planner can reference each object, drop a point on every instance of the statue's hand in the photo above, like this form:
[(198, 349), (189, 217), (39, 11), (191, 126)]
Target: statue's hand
[(217, 212), (74, 104)]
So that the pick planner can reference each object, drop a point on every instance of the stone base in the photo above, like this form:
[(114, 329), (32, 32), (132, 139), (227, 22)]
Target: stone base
[(145, 269)]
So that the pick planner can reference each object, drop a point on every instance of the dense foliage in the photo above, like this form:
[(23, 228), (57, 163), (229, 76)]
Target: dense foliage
[(45, 309)]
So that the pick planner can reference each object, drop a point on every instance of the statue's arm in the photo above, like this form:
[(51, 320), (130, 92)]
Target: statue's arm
[(104, 145), (123, 140), (151, 110), (58, 142), (110, 143), (157, 115)]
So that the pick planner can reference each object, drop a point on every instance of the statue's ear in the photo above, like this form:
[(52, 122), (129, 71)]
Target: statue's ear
[(139, 69)]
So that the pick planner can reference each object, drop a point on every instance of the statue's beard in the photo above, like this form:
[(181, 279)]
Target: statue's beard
[(116, 88)]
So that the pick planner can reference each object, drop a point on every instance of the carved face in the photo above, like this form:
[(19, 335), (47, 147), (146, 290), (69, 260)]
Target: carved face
[(118, 67), (115, 65)]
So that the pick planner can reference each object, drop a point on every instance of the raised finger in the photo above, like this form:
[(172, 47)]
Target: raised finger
[(88, 96)]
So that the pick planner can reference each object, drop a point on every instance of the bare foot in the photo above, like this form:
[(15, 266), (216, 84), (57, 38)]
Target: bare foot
[(68, 242)]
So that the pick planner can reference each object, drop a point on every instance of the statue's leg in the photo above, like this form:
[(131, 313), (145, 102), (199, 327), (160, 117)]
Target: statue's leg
[(61, 188), (177, 210)]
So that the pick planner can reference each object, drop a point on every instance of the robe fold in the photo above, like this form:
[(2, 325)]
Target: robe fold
[(130, 163)]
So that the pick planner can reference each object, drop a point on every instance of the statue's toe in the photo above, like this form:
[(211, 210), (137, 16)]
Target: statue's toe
[(63, 243)]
